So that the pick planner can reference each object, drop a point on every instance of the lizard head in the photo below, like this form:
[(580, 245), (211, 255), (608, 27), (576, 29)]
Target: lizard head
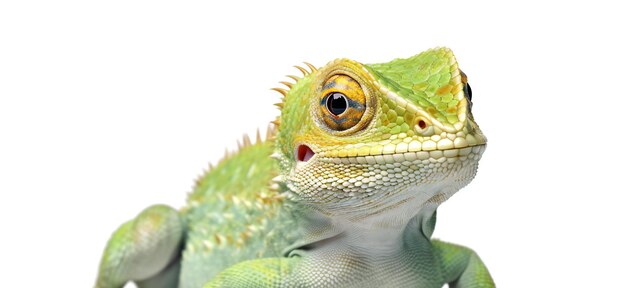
[(358, 140)]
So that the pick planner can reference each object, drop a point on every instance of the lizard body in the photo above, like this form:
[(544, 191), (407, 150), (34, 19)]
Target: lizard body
[(342, 193)]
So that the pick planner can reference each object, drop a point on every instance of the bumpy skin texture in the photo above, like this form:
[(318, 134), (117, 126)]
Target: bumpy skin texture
[(343, 193)]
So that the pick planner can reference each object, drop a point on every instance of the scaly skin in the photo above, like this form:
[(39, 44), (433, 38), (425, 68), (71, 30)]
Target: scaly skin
[(343, 194)]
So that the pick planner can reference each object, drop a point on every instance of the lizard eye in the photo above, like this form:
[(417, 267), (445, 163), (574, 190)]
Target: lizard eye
[(468, 91), (343, 102)]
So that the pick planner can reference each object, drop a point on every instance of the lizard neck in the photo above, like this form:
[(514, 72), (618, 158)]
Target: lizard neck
[(358, 254), (370, 229), (390, 233), (386, 234), (364, 250)]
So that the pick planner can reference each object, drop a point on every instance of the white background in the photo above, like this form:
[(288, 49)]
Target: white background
[(107, 107)]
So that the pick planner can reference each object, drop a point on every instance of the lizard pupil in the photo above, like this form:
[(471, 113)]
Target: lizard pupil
[(336, 103)]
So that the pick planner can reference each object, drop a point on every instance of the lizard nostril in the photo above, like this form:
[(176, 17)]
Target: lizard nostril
[(422, 124), (304, 153)]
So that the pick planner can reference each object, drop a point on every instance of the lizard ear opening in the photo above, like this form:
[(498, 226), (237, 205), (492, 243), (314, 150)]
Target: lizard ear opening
[(304, 153)]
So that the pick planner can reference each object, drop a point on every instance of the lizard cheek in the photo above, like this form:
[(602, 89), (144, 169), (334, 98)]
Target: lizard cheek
[(304, 153)]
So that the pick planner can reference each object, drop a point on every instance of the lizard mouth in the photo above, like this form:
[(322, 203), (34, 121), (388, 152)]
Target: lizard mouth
[(304, 153)]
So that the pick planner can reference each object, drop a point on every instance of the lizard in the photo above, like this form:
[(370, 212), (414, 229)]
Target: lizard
[(342, 192)]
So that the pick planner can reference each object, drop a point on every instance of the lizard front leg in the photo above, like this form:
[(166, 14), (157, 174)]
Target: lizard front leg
[(461, 266), (144, 250), (265, 272)]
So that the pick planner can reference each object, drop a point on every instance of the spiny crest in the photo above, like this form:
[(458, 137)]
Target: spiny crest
[(276, 122), (270, 133), (246, 141), (304, 71), (294, 78), (289, 85), (281, 91), (313, 68)]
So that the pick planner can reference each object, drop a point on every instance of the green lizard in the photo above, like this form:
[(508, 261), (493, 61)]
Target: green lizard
[(342, 193)]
